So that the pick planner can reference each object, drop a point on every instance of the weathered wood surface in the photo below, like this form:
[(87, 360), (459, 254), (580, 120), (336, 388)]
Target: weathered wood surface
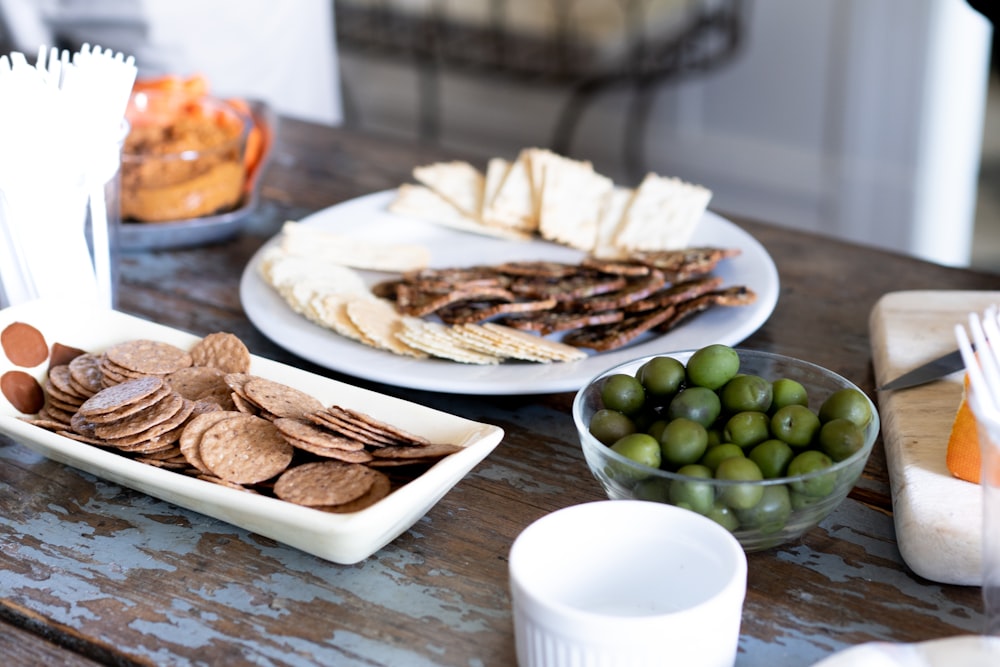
[(92, 571)]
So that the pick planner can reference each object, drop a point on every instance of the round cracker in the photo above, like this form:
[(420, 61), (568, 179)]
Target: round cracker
[(223, 351), (149, 357), (324, 483), (120, 395), (279, 399), (190, 442), (245, 450)]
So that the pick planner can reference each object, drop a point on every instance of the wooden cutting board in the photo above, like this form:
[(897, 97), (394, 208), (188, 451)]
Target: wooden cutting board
[(938, 517)]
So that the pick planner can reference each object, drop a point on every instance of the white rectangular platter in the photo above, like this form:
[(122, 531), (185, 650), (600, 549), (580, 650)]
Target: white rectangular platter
[(341, 538)]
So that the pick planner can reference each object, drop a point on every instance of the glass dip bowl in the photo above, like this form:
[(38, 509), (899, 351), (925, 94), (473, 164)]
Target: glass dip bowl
[(183, 158)]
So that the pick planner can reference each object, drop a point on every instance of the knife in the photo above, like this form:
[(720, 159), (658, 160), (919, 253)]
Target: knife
[(932, 370)]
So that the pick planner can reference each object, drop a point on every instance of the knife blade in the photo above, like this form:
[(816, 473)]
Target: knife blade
[(933, 370)]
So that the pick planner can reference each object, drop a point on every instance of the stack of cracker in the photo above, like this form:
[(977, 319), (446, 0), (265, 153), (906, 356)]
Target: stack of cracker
[(201, 412), (558, 199)]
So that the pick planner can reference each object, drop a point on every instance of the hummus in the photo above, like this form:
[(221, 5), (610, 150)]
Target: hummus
[(187, 166)]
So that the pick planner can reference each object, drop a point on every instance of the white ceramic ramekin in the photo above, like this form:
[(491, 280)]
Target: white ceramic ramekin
[(626, 582)]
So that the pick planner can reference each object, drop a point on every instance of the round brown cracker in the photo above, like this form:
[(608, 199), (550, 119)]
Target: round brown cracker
[(380, 488), (85, 373), (223, 351), (141, 420), (324, 483), (305, 432), (279, 399), (120, 395), (62, 385), (245, 450), (149, 357), (195, 382), (190, 441)]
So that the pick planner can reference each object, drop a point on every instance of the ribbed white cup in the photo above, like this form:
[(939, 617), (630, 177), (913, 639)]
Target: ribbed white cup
[(620, 583)]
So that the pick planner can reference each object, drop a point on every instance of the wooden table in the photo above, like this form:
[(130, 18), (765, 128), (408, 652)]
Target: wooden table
[(94, 573)]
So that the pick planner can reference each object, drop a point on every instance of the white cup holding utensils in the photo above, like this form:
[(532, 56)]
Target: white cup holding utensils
[(626, 582)]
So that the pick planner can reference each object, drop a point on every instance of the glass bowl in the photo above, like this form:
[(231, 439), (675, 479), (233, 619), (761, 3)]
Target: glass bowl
[(183, 158), (775, 520)]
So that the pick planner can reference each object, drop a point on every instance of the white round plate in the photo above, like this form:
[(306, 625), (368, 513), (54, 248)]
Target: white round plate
[(367, 217)]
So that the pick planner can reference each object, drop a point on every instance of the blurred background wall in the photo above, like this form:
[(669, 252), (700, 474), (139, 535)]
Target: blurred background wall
[(861, 119)]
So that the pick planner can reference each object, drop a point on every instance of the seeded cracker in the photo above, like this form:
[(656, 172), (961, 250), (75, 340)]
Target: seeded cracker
[(325, 483), (85, 373), (245, 450), (305, 434), (121, 395), (148, 357), (190, 440), (279, 400), (141, 420), (380, 488), (223, 351)]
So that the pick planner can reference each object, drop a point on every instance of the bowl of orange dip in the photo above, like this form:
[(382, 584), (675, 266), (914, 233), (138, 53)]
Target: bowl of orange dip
[(184, 157)]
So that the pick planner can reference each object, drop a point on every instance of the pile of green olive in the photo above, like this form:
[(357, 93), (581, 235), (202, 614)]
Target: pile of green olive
[(706, 420)]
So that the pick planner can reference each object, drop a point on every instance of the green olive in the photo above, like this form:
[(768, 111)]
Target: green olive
[(698, 404), (653, 489), (811, 461), (795, 424), (713, 366), (715, 454), (772, 457), (610, 425), (840, 438), (661, 376), (740, 496), (640, 447), (682, 442), (723, 515), (848, 403), (746, 393), (785, 391), (771, 513), (693, 494), (747, 429), (624, 393)]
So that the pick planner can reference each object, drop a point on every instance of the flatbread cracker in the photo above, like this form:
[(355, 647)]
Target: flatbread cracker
[(419, 201), (457, 181), (662, 215), (351, 251)]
